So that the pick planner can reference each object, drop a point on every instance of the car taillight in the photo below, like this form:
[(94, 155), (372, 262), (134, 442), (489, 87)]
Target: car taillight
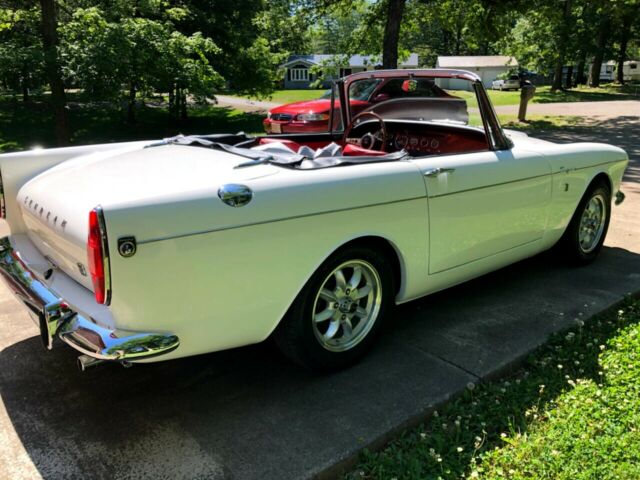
[(98, 256)]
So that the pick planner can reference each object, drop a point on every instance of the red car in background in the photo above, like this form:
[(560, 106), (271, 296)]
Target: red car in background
[(313, 115)]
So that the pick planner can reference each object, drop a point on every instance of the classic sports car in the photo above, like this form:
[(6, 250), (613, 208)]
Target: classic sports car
[(147, 251), (313, 115)]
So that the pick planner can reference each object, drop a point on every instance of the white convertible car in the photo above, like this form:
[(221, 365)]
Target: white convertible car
[(148, 251)]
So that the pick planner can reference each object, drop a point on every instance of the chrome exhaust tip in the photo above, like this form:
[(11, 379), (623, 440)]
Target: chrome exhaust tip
[(85, 361)]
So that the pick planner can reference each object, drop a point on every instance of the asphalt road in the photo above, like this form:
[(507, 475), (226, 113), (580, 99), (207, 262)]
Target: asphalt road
[(249, 414)]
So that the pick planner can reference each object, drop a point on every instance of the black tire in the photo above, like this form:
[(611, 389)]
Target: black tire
[(297, 336), (569, 246)]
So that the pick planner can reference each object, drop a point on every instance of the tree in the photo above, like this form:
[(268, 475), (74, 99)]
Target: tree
[(21, 54), (625, 15), (563, 38), (395, 10), (247, 59), (107, 53), (53, 71)]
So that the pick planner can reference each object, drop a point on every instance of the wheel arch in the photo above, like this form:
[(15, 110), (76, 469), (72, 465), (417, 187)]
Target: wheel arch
[(388, 249), (601, 176)]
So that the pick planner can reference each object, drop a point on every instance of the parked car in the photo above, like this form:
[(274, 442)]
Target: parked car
[(313, 115), (510, 83), (149, 251)]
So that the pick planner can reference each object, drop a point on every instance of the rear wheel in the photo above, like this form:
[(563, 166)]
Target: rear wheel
[(588, 228), (337, 315)]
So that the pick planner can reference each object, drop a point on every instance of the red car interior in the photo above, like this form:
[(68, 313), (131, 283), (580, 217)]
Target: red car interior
[(416, 139)]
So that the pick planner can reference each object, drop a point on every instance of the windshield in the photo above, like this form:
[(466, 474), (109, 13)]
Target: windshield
[(362, 89), (436, 100)]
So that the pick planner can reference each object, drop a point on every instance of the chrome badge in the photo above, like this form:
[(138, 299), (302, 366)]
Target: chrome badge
[(235, 195)]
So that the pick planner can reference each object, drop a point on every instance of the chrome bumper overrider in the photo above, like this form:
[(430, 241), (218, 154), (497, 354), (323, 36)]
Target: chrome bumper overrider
[(57, 318)]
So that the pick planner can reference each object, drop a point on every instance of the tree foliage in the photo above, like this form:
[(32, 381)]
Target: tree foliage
[(188, 50)]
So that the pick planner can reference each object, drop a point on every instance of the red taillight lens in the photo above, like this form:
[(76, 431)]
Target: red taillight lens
[(96, 254)]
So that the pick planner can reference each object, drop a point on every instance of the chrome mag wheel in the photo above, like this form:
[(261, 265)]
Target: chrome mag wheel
[(347, 305), (592, 223)]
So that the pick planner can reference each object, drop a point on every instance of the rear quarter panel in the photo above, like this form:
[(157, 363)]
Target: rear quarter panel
[(20, 167)]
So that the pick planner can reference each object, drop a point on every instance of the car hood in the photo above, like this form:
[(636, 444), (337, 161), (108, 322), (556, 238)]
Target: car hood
[(321, 105)]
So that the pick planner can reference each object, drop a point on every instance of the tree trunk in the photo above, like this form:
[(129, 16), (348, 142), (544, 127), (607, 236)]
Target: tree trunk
[(183, 106), (52, 68), (580, 79), (569, 79), (458, 39), (172, 101), (622, 52), (562, 46), (25, 90), (395, 10), (131, 105), (596, 66), (557, 75)]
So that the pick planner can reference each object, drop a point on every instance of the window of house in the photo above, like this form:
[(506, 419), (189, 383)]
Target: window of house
[(299, 74), (633, 66), (345, 72)]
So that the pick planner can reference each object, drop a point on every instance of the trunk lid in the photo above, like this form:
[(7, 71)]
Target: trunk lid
[(55, 205)]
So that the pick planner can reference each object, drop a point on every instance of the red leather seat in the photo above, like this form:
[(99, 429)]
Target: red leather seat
[(350, 150)]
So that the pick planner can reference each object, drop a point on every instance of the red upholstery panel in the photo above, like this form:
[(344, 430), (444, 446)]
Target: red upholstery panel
[(289, 143), (354, 151)]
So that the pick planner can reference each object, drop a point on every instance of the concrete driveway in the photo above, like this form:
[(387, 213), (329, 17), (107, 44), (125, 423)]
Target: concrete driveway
[(250, 414)]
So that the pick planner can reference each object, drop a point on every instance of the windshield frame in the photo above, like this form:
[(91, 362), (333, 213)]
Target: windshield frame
[(495, 135)]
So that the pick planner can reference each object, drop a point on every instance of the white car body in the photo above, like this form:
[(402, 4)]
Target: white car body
[(219, 277)]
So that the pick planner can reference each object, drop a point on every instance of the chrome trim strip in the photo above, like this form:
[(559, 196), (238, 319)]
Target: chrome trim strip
[(523, 179), (489, 186), (283, 219), (58, 318)]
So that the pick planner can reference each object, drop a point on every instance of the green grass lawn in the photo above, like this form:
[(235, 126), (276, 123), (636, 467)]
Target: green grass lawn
[(498, 98), (571, 412), (290, 96), (25, 126), (544, 95)]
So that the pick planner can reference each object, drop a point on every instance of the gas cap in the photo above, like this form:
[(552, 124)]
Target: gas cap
[(235, 195)]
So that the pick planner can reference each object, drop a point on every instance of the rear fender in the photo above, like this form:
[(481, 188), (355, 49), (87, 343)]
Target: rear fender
[(18, 168)]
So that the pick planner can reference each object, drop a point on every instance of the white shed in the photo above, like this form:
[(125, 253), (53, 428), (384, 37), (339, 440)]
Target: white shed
[(487, 67)]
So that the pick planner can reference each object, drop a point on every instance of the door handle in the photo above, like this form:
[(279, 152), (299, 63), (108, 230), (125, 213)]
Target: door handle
[(434, 172)]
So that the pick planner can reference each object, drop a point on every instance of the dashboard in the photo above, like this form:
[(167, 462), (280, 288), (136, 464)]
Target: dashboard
[(419, 138)]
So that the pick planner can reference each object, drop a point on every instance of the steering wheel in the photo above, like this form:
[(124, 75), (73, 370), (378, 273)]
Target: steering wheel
[(368, 140)]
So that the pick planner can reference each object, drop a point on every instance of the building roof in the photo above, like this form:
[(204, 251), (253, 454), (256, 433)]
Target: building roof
[(476, 61), (354, 60)]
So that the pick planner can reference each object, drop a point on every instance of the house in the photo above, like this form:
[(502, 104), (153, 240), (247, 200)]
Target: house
[(487, 67), (298, 72)]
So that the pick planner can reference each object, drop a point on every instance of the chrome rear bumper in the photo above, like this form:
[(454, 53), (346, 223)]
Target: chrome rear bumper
[(57, 318)]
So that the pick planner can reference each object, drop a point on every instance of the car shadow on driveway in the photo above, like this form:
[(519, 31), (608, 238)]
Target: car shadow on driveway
[(621, 132), (248, 413)]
